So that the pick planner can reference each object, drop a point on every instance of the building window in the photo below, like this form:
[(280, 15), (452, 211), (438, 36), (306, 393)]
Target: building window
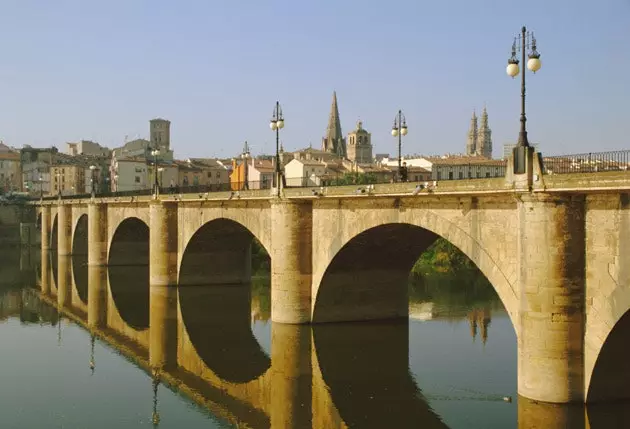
[(450, 175), (487, 174), (137, 179), (195, 180), (209, 174), (461, 174), (439, 175)]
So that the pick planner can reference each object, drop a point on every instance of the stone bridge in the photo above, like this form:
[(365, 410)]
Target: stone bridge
[(553, 246)]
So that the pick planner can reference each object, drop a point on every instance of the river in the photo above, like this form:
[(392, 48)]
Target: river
[(451, 365)]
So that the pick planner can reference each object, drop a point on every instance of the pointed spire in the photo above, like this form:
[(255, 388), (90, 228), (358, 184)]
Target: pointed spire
[(471, 144), (484, 118), (334, 141), (246, 148)]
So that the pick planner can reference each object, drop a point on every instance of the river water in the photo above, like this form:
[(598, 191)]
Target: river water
[(453, 364)]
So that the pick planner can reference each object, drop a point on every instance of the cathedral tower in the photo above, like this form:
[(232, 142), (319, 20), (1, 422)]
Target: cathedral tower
[(334, 142), (484, 137), (471, 144), (160, 134), (360, 145)]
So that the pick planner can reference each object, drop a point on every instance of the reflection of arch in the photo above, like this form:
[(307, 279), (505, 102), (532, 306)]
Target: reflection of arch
[(610, 379), (54, 231), (80, 274), (217, 316), (366, 368), (217, 320), (363, 265), (128, 270), (79, 257)]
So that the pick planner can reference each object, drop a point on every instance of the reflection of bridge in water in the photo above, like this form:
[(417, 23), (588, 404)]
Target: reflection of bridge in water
[(200, 338), (328, 376)]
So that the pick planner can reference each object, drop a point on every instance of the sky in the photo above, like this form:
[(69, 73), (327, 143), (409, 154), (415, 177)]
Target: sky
[(100, 70)]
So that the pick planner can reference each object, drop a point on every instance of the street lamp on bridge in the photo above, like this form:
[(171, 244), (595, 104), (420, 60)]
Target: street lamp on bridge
[(398, 130), (276, 124), (92, 190), (156, 186), (522, 41)]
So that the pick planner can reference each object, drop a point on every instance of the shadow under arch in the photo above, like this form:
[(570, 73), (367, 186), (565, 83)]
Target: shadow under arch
[(215, 301), (611, 374), (366, 368), (54, 232), (367, 279), (38, 221), (128, 271), (80, 257)]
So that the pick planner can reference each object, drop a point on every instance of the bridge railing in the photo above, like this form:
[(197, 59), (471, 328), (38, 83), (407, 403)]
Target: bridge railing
[(587, 162)]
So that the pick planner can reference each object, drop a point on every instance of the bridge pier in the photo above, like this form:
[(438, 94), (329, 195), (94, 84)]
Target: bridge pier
[(64, 230), (97, 296), (291, 260), (64, 282), (291, 371), (97, 234), (163, 252), (45, 229), (552, 287)]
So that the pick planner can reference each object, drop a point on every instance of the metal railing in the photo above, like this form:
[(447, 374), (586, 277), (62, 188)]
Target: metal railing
[(587, 162)]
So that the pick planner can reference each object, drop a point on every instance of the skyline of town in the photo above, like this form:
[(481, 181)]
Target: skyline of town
[(67, 76)]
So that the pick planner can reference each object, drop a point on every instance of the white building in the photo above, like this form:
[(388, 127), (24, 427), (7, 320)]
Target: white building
[(130, 174), (302, 172)]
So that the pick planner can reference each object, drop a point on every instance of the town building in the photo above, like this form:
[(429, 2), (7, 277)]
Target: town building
[(204, 173), (10, 169), (465, 167), (87, 147), (360, 145), (129, 174), (35, 164)]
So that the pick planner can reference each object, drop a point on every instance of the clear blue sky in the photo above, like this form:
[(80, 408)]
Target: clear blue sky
[(73, 69)]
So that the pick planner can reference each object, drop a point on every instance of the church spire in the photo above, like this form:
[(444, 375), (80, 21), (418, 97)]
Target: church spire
[(334, 141), (484, 136), (471, 143)]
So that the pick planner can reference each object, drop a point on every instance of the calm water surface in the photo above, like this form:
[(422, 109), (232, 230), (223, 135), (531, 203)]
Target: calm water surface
[(451, 365)]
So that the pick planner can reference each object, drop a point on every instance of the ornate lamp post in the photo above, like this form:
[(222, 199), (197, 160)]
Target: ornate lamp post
[(276, 124), (524, 40), (399, 129), (92, 190), (245, 157), (155, 153)]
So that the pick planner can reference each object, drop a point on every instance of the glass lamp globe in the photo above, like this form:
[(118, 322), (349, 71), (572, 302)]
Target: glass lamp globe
[(273, 125), (395, 132), (512, 69), (281, 124), (534, 64), (403, 130)]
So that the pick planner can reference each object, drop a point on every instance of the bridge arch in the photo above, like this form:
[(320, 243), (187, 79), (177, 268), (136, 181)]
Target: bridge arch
[(388, 246), (128, 271), (80, 256), (215, 300)]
